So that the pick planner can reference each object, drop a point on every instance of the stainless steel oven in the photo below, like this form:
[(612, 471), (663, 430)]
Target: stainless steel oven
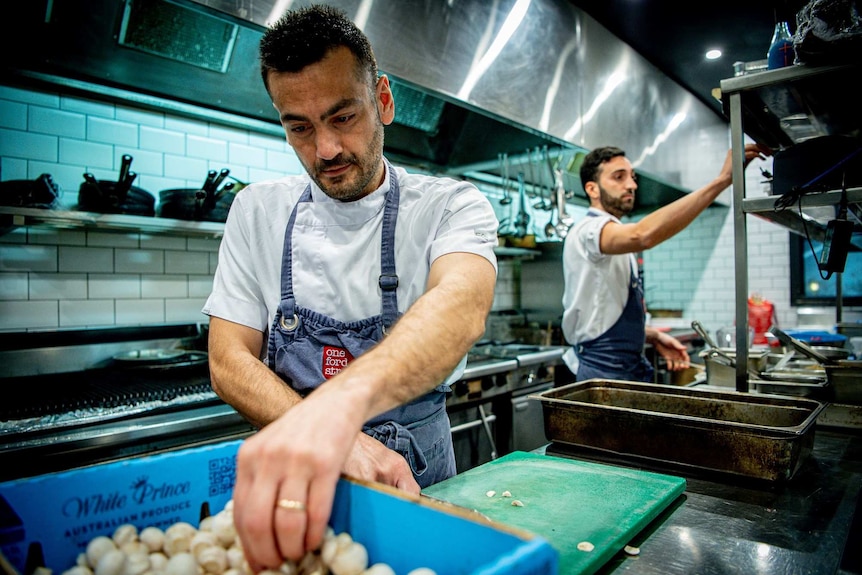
[(79, 397), (528, 421), (489, 409)]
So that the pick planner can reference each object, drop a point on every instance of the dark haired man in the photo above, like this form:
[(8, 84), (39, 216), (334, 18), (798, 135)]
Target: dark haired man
[(604, 313), (361, 290)]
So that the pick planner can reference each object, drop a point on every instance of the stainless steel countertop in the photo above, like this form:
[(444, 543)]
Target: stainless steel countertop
[(722, 526)]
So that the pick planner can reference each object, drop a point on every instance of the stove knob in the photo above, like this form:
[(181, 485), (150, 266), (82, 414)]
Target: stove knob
[(487, 383), (501, 380), (461, 388)]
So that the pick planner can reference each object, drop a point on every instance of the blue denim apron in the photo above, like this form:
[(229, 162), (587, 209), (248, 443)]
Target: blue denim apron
[(618, 353), (306, 348)]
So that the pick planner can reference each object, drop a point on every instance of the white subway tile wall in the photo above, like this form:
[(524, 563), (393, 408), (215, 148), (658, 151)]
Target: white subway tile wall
[(56, 278)]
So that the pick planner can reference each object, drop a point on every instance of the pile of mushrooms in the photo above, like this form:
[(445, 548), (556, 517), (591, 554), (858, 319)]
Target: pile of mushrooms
[(213, 549)]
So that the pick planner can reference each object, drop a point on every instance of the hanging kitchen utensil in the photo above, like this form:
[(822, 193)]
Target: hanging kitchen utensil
[(522, 221), (564, 222), (546, 190), (530, 174), (550, 228), (507, 183)]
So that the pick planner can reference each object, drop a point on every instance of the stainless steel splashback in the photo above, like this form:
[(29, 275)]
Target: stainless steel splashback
[(543, 64)]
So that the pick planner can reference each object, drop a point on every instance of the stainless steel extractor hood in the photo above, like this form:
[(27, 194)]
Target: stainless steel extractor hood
[(204, 53)]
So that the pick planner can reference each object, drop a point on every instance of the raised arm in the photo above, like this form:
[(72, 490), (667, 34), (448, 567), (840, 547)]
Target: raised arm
[(669, 220)]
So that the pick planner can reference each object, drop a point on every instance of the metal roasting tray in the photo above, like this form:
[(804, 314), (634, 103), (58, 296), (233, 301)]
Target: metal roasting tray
[(765, 437), (846, 379)]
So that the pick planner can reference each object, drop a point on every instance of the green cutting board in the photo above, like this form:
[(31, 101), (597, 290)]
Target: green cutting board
[(565, 501)]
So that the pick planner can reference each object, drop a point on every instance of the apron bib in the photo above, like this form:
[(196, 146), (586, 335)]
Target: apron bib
[(618, 353), (306, 348)]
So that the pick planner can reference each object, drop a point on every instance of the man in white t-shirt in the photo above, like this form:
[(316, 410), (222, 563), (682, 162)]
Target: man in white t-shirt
[(344, 303), (604, 312)]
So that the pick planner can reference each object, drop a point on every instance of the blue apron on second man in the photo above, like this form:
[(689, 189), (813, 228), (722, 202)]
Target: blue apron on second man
[(306, 348), (618, 353)]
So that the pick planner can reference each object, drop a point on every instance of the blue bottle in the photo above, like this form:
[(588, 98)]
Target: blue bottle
[(781, 52)]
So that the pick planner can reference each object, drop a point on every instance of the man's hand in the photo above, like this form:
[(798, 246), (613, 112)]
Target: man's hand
[(372, 461), (672, 350), (296, 458)]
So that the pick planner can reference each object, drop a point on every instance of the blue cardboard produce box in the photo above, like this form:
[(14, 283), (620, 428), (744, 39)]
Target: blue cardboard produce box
[(50, 518)]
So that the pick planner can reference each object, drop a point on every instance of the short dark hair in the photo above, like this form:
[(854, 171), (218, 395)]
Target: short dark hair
[(303, 37), (593, 161)]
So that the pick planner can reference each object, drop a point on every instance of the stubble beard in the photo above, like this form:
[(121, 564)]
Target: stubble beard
[(615, 206), (346, 188)]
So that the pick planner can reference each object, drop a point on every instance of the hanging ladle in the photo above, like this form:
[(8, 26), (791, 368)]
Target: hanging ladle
[(522, 220), (564, 221), (504, 172)]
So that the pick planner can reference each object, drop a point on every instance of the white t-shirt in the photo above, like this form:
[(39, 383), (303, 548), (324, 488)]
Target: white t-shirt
[(596, 284), (336, 246)]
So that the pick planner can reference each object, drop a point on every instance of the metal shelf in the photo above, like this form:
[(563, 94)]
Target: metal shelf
[(807, 223), (17, 217), (786, 106), (779, 109), (11, 218)]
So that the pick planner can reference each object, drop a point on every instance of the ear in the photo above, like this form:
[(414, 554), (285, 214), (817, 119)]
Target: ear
[(385, 100), (592, 189)]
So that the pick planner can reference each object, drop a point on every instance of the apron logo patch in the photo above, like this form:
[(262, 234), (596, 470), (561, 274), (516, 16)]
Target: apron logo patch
[(334, 360)]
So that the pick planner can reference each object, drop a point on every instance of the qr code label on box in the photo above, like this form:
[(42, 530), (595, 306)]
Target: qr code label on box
[(222, 473)]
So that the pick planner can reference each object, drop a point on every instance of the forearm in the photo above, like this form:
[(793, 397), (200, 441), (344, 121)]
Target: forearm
[(651, 335), (241, 379), (427, 342), (669, 220)]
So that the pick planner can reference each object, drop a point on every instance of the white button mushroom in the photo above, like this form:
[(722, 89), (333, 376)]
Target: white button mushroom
[(213, 559), (329, 549), (379, 569), (153, 538), (125, 533), (206, 524), (223, 528), (201, 540), (158, 560), (178, 538), (137, 563), (78, 570), (182, 563), (235, 557), (111, 563), (97, 547), (352, 560), (132, 547), (423, 571)]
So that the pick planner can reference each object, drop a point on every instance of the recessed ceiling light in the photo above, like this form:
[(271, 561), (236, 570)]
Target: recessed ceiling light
[(713, 54)]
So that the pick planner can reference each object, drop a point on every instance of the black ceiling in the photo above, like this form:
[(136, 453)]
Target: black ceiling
[(674, 36)]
